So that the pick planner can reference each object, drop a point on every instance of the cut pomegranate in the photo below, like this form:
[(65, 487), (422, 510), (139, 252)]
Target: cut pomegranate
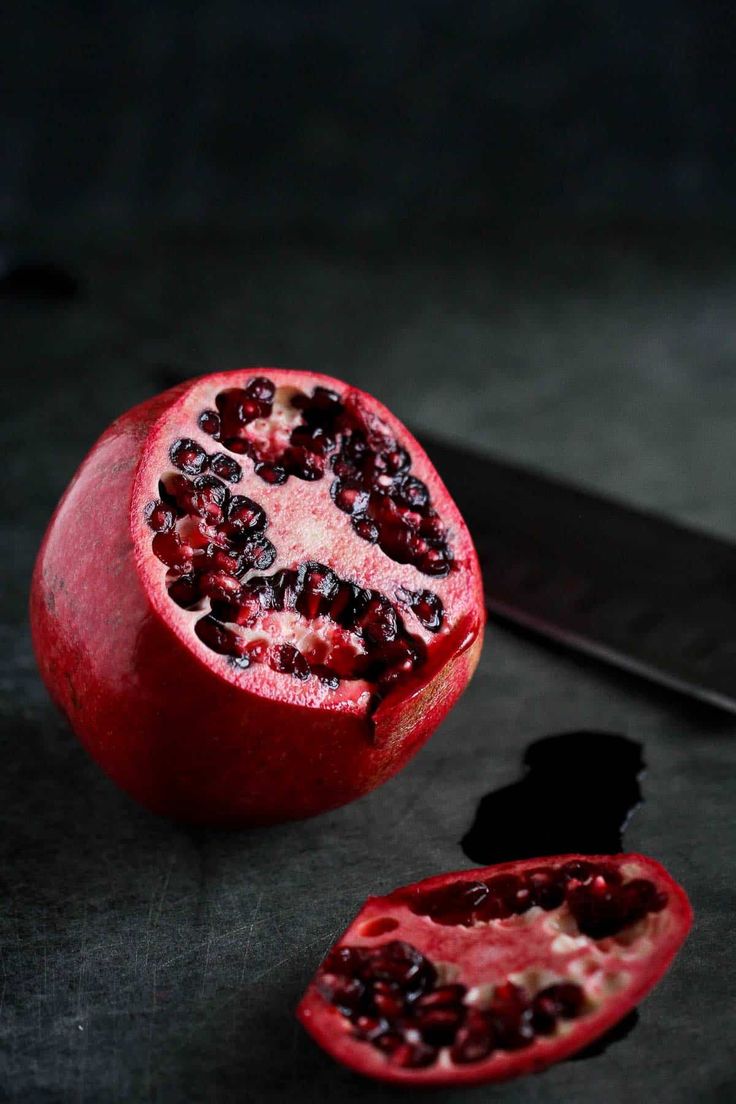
[(256, 599), (487, 974)]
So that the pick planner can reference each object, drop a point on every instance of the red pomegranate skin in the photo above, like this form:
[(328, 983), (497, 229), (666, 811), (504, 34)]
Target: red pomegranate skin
[(533, 948), (166, 722)]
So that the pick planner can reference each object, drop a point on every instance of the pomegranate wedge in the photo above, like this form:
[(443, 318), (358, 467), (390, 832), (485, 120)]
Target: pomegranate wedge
[(488, 974), (256, 600)]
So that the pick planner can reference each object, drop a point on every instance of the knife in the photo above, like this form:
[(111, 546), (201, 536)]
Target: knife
[(629, 587)]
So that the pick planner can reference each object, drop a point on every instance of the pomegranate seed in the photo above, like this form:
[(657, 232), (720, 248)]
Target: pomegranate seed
[(207, 498), (223, 560), (262, 590), (188, 456), (348, 604), (209, 422), (494, 908), (169, 548), (218, 638), (432, 529), (365, 528), (302, 464), (378, 622), (345, 960), (258, 554), (287, 659), (239, 445), (578, 870), (474, 1041), (546, 887), (324, 400), (511, 1015), (271, 473), (454, 904), (220, 586), (245, 516), (369, 1027), (566, 999), (226, 467), (261, 389), (435, 561), (438, 1026), (161, 518), (243, 612), (388, 1042), (413, 493), (284, 587), (644, 894), (185, 591), (401, 963), (396, 542), (350, 500), (316, 587), (442, 997), (346, 993), (426, 606), (413, 1055), (397, 460), (389, 1001), (326, 676), (312, 438), (544, 1018), (599, 914)]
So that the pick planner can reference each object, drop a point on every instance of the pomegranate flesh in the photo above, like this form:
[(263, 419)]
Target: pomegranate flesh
[(256, 600), (487, 974)]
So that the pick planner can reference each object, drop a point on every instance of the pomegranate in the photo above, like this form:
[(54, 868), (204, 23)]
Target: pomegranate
[(256, 600), (486, 974)]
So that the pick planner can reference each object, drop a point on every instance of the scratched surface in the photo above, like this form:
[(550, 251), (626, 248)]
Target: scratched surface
[(143, 962)]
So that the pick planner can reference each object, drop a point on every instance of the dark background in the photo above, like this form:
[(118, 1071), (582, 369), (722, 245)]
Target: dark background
[(515, 223)]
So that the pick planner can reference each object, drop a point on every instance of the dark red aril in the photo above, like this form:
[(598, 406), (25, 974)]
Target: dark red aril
[(302, 464), (287, 659), (262, 390), (160, 517), (185, 591), (170, 549), (226, 467), (209, 422), (366, 529), (245, 516), (188, 456), (217, 637), (275, 474)]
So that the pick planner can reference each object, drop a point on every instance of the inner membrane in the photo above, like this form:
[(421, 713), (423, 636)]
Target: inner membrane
[(410, 1008), (306, 621)]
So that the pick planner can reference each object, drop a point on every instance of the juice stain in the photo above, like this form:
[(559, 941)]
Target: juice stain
[(577, 794)]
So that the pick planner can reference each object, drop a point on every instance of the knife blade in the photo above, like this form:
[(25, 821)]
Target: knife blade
[(629, 587)]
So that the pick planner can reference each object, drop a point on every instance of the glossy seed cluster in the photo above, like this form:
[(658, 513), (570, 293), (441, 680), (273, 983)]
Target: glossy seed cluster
[(372, 480), (600, 901), (394, 1001), (213, 542)]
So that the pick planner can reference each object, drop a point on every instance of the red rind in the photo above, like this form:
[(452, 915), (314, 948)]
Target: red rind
[(185, 735), (332, 1031)]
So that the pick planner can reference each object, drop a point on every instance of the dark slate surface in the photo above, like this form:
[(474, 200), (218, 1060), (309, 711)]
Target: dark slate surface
[(144, 962), (366, 112)]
